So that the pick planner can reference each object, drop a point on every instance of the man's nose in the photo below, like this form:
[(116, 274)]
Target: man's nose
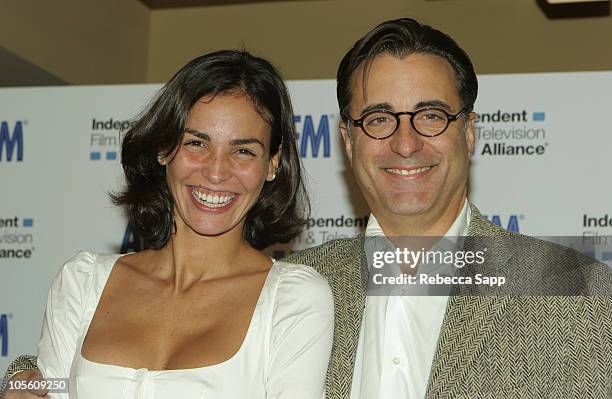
[(216, 168), (406, 140)]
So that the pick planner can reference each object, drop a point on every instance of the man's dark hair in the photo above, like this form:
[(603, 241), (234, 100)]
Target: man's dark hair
[(278, 215), (400, 38)]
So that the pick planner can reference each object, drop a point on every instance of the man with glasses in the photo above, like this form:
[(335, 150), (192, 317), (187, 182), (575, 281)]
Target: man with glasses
[(406, 92)]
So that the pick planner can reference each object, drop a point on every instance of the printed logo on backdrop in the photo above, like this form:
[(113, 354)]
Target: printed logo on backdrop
[(16, 238), (11, 141), (507, 222), (511, 133), (313, 131), (4, 334), (105, 138), (597, 231), (320, 230)]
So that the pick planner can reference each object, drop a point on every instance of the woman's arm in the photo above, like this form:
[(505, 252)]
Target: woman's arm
[(302, 334), (63, 317)]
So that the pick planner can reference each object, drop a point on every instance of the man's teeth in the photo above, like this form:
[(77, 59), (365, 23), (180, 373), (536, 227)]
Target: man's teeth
[(405, 172), (212, 201)]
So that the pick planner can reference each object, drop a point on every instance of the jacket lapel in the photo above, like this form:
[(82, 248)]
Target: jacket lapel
[(468, 323), (349, 284), (467, 326)]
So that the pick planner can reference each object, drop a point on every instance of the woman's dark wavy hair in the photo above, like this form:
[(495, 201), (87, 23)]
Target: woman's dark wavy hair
[(281, 209), (400, 38)]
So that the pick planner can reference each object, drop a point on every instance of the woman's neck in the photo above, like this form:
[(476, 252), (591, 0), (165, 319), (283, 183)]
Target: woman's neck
[(189, 257)]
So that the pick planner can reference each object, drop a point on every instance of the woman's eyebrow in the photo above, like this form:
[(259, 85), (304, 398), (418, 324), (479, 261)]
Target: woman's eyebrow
[(247, 141), (198, 134)]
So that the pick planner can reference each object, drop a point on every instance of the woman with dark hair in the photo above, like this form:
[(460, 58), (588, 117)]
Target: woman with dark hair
[(213, 177)]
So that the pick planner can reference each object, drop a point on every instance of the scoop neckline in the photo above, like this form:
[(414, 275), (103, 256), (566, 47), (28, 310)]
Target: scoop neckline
[(232, 358)]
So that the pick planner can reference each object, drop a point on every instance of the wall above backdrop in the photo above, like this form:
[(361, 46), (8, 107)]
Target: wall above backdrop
[(92, 42), (16, 71), (160, 4)]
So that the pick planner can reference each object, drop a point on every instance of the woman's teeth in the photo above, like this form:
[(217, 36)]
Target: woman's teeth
[(212, 200)]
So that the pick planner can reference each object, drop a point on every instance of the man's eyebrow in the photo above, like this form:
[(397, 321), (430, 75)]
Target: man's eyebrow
[(377, 107), (420, 105), (433, 103), (237, 142), (198, 134)]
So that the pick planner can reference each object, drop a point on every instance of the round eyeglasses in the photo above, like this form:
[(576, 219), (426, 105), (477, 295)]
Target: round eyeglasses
[(428, 122)]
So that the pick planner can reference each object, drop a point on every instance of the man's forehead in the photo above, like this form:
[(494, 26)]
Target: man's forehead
[(420, 79)]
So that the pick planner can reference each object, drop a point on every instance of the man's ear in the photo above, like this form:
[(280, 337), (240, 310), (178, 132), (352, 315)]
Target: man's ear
[(470, 133), (348, 141), (273, 165)]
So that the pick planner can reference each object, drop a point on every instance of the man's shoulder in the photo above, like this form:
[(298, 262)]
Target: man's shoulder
[(332, 257), (565, 269)]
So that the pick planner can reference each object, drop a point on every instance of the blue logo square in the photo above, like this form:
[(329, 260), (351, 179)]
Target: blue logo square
[(539, 116), (606, 256), (111, 155), (94, 156), (28, 222)]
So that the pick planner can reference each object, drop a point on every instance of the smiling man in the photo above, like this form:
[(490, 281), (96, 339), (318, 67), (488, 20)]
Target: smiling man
[(409, 141), (408, 132), (406, 93)]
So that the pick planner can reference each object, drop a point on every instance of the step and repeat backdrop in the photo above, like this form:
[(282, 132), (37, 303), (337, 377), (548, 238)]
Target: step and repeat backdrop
[(541, 167)]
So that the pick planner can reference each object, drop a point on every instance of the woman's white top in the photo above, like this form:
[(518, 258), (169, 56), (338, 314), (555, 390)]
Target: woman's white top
[(284, 355)]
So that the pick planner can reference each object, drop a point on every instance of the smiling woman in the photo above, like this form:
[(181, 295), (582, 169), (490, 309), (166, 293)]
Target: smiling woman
[(179, 106), (218, 170), (213, 176)]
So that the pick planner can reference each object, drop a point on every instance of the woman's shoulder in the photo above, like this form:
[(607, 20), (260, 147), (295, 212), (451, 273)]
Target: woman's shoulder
[(85, 262), (83, 269), (300, 283), (297, 273), (303, 313)]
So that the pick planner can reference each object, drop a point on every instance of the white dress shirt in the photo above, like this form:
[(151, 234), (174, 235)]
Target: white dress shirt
[(398, 336)]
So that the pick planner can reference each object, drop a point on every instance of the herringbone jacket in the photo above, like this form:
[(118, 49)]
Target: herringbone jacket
[(492, 346), (489, 346)]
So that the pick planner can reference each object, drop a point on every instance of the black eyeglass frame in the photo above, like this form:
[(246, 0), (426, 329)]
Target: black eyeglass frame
[(449, 119)]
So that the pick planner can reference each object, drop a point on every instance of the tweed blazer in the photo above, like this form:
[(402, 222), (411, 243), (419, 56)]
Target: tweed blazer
[(489, 346), (492, 346)]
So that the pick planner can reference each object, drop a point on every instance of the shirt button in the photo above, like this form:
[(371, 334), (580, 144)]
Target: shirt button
[(396, 360)]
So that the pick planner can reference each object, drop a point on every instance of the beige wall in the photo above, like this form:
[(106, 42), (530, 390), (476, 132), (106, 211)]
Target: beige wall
[(306, 39), (121, 41), (79, 41)]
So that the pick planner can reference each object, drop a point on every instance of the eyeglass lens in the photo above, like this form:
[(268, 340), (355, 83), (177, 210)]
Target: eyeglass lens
[(428, 122)]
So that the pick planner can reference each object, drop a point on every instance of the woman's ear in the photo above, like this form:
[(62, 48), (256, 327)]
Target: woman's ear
[(273, 165)]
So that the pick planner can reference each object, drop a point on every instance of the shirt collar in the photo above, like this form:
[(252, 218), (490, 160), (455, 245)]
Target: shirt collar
[(458, 228)]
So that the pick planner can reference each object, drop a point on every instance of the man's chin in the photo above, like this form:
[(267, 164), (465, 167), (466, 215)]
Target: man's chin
[(408, 209), (407, 205), (395, 205)]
